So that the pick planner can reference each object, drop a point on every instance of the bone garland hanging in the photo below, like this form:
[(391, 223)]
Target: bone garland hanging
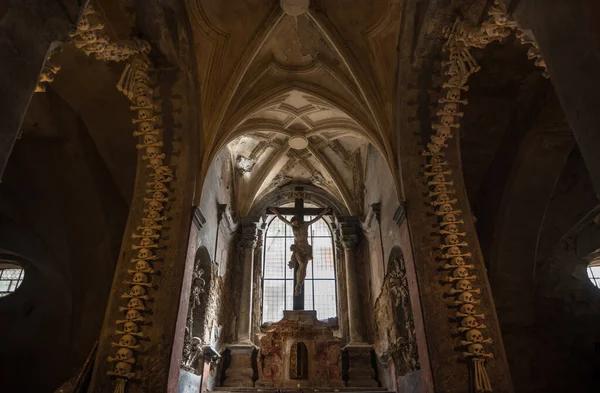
[(89, 36), (437, 175)]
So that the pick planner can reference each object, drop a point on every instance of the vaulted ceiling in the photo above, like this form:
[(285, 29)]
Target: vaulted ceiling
[(277, 75)]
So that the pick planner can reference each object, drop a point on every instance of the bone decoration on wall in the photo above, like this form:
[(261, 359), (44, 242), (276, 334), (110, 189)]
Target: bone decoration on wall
[(460, 281), (136, 84)]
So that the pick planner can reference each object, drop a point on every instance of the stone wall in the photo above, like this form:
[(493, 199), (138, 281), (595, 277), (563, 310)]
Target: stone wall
[(64, 214)]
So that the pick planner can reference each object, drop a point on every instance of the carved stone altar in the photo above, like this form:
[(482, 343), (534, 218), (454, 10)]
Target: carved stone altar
[(278, 355)]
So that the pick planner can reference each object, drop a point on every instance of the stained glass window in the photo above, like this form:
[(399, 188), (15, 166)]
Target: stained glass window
[(11, 277), (320, 290)]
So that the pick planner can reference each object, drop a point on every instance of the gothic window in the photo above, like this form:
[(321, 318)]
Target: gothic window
[(11, 276), (320, 290), (593, 271)]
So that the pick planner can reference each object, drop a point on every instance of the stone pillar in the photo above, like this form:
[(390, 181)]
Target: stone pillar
[(240, 372), (360, 370)]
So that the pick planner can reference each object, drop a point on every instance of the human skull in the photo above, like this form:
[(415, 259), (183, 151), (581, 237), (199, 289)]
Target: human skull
[(451, 108), (135, 303), (137, 290), (146, 241), (153, 214), (159, 196), (153, 152), (444, 132), (142, 266), (127, 340), (132, 314), (459, 261), (468, 309), (143, 100), (436, 169), (150, 139), (464, 285), (442, 198), (439, 178), (148, 232), (440, 188), (434, 149), (435, 160), (96, 47), (475, 335), (453, 251), (445, 208), (144, 114), (451, 239), (453, 69), (122, 368), (144, 253), (450, 218), (146, 126), (469, 322), (155, 205), (83, 24), (466, 297), (88, 36), (140, 277), (453, 228), (437, 140), (453, 94), (124, 354), (142, 88), (459, 272), (500, 18), (447, 120), (476, 349), (130, 327), (155, 162)]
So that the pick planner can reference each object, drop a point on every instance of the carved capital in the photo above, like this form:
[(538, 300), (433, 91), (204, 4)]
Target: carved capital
[(349, 241), (349, 231), (249, 233)]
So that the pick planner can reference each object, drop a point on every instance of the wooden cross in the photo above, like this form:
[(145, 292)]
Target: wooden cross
[(299, 210)]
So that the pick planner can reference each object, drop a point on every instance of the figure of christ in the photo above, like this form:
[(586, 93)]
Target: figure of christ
[(301, 250)]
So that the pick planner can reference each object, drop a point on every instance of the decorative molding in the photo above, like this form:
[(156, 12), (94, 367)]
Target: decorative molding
[(400, 214), (198, 218)]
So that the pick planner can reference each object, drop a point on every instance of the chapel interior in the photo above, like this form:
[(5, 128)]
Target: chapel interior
[(300, 196)]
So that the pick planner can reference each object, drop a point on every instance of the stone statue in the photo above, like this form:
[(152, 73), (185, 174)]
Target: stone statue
[(301, 250)]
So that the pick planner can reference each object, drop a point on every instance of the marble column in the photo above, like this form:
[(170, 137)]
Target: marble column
[(240, 372), (360, 370)]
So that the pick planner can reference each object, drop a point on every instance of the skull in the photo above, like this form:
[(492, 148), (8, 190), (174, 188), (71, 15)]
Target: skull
[(127, 340), (155, 205), (451, 107), (450, 218), (153, 214), (146, 241), (453, 94), (96, 47), (464, 285), (439, 178), (475, 335), (148, 232), (146, 126), (466, 297), (453, 69), (83, 24), (440, 188), (150, 139), (144, 253), (460, 272), (451, 239), (468, 309), (469, 322), (443, 198), (142, 266), (89, 36), (130, 327), (453, 251), (447, 120), (453, 228), (445, 208), (159, 196), (137, 290), (153, 152), (132, 314), (437, 140), (434, 149), (135, 303), (140, 277), (155, 162), (460, 261), (142, 88), (143, 100), (144, 114), (122, 368), (477, 349), (500, 19), (124, 354), (435, 160), (444, 132)]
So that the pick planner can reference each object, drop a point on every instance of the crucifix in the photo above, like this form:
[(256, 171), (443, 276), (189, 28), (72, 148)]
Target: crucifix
[(301, 249)]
